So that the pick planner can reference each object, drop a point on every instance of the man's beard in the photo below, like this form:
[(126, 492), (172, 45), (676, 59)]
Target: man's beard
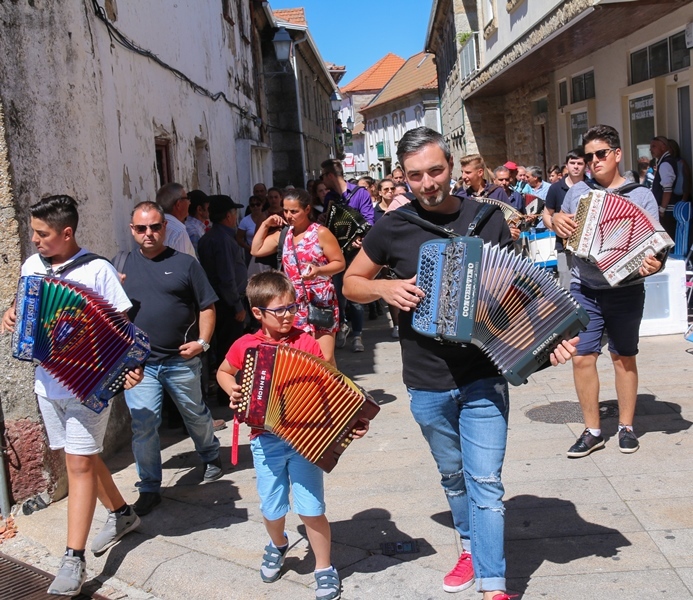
[(435, 201)]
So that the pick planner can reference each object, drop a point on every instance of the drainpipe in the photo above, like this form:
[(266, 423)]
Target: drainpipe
[(304, 155), (4, 489)]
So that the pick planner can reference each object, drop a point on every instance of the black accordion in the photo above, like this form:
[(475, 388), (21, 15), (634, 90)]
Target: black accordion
[(347, 224), (513, 310)]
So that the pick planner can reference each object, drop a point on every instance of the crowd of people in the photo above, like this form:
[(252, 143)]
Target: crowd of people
[(206, 283)]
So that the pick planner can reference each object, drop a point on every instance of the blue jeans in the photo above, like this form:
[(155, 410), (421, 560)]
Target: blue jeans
[(466, 429), (181, 379)]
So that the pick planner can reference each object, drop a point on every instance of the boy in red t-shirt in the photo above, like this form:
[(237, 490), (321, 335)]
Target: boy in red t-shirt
[(278, 466)]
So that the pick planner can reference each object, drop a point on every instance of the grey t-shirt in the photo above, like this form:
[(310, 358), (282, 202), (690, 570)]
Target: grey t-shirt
[(585, 272)]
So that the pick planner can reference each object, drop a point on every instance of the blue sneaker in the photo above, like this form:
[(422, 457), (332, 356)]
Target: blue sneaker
[(329, 587), (272, 561)]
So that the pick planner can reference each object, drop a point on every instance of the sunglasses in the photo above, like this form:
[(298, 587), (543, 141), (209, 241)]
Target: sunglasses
[(280, 311), (600, 154), (387, 189), (155, 227)]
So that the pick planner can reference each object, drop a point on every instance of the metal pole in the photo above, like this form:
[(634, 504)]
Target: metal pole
[(4, 493)]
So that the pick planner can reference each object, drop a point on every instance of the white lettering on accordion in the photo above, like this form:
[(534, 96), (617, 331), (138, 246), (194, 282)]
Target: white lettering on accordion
[(468, 290), (261, 385), (544, 344)]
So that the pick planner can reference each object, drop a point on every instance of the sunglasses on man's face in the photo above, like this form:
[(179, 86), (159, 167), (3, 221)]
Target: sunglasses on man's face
[(600, 154), (155, 228)]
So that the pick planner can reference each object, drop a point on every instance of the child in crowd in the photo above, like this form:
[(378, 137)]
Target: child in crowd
[(278, 466), (69, 424)]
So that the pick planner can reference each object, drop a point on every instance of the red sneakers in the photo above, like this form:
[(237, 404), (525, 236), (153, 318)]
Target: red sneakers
[(503, 597), (462, 576)]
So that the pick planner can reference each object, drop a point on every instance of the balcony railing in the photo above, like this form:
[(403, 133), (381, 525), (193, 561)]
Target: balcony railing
[(469, 57)]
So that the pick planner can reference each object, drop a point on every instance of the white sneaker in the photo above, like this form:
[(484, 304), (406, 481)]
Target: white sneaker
[(70, 578), (395, 332)]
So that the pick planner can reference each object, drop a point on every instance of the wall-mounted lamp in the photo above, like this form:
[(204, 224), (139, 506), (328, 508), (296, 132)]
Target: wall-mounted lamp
[(282, 45), (349, 123), (336, 101)]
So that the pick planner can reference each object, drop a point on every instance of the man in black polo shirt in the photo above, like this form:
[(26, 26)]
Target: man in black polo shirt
[(173, 302), (455, 391), (575, 162)]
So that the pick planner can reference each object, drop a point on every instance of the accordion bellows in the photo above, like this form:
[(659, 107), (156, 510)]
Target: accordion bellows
[(513, 310), (303, 400), (615, 234), (77, 337)]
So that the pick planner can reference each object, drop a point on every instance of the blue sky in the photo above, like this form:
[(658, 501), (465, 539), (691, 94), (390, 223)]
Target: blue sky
[(358, 33)]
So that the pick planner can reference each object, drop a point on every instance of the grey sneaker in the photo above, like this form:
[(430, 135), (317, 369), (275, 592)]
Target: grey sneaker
[(329, 587), (115, 528), (272, 561), (213, 470), (585, 444), (340, 340), (70, 577), (357, 344)]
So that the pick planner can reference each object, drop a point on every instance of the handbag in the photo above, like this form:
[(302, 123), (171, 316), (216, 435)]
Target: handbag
[(319, 317)]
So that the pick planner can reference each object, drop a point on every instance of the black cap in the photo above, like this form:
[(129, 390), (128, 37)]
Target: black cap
[(219, 207)]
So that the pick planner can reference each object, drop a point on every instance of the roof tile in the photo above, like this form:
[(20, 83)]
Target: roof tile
[(417, 73), (375, 77), (296, 16)]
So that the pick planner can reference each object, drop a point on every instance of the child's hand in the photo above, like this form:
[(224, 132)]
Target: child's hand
[(235, 395), (361, 428)]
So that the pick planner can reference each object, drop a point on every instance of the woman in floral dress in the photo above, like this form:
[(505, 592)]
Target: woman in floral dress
[(310, 256)]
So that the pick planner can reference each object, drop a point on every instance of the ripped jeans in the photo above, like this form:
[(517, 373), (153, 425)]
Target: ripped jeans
[(466, 429)]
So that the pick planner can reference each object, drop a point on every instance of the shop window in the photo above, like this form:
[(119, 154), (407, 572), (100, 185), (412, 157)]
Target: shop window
[(562, 94), (660, 58)]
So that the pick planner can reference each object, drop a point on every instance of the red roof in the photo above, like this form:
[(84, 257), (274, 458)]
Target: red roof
[(418, 73), (374, 78), (296, 16)]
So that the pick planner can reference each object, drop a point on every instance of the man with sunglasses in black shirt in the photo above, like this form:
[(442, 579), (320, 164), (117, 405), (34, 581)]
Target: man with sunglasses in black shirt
[(173, 301)]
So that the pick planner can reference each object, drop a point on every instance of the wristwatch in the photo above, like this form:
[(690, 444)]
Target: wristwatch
[(205, 345)]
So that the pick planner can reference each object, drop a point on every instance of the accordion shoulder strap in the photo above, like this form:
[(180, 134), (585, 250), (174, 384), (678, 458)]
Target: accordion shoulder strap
[(482, 215), (77, 262)]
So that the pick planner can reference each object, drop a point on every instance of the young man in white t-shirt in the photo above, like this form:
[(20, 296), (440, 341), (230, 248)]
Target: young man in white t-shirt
[(70, 425)]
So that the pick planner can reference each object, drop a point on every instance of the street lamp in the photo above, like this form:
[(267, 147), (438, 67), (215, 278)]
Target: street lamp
[(336, 101), (349, 123), (282, 45)]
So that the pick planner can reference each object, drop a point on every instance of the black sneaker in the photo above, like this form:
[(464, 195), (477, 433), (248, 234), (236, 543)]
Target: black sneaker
[(585, 444), (627, 442), (146, 503), (213, 470)]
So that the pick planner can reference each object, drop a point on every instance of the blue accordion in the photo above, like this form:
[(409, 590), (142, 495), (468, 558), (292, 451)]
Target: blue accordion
[(512, 309)]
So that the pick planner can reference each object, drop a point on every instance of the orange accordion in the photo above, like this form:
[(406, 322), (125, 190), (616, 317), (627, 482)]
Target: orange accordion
[(303, 400), (615, 234)]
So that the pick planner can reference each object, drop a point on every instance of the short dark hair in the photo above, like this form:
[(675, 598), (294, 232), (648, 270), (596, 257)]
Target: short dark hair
[(574, 154), (368, 179), (197, 198), (168, 195), (501, 169), (333, 166), (397, 169), (554, 169), (605, 133), (58, 212), (264, 287), (149, 206), (415, 139)]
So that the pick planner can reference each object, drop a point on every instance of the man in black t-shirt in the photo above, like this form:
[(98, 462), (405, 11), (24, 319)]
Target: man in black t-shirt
[(173, 302), (455, 391)]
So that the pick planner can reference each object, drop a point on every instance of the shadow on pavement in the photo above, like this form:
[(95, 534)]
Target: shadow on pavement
[(539, 530)]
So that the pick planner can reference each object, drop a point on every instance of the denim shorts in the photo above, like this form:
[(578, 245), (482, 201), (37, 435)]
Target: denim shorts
[(72, 426), (280, 468), (616, 311)]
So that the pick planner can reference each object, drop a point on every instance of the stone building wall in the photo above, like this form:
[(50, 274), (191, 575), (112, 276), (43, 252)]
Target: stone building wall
[(82, 114)]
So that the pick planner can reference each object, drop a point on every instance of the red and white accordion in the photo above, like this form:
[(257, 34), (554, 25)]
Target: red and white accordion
[(78, 337), (303, 400), (615, 234)]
